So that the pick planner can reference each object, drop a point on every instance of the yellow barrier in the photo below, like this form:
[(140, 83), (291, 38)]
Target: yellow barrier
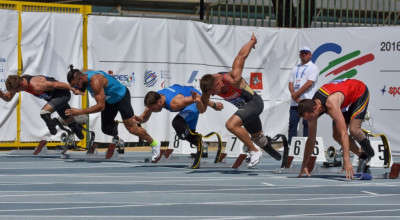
[(44, 7)]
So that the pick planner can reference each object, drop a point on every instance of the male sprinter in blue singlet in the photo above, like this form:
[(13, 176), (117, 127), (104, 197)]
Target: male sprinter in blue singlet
[(111, 97), (180, 99), (234, 89), (55, 93)]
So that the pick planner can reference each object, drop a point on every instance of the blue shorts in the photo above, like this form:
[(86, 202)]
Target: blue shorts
[(191, 115)]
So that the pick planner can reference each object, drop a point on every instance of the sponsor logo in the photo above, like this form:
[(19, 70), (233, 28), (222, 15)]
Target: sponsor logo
[(193, 77), (164, 74), (383, 90), (394, 91), (344, 66), (150, 78), (164, 84), (125, 79), (256, 81), (3, 60), (2, 80), (391, 90), (1, 71)]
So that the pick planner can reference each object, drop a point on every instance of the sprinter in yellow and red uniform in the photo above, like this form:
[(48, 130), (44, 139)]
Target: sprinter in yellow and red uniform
[(346, 102)]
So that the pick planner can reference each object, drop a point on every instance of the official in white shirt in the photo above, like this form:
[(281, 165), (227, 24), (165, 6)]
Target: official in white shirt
[(302, 85)]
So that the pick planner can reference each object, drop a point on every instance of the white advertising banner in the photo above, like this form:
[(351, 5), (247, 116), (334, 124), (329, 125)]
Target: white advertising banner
[(151, 54), (50, 42), (370, 55), (8, 66)]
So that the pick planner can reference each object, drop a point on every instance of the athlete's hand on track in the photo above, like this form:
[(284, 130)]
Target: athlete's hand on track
[(73, 112), (348, 168), (304, 171)]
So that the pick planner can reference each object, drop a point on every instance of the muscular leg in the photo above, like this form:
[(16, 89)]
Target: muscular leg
[(357, 133), (134, 129), (353, 146), (234, 125)]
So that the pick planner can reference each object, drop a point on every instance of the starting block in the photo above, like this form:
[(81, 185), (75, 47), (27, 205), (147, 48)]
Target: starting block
[(181, 151), (92, 154), (383, 155), (40, 150)]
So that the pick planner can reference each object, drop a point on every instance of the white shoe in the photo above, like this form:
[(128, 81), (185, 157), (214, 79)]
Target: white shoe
[(254, 158), (155, 152)]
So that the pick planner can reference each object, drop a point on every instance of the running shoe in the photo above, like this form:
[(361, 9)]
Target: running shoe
[(254, 158), (155, 152), (362, 165)]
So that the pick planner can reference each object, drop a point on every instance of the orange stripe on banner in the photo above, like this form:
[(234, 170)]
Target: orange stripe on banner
[(360, 109)]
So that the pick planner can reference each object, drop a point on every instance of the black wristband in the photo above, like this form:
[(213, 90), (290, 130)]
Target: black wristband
[(214, 105)]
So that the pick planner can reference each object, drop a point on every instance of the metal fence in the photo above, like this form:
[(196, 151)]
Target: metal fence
[(304, 13)]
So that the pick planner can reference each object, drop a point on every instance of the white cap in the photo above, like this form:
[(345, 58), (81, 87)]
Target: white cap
[(305, 49)]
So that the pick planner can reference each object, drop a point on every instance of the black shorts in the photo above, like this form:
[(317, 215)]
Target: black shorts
[(250, 114), (124, 107), (358, 109), (59, 101), (59, 98)]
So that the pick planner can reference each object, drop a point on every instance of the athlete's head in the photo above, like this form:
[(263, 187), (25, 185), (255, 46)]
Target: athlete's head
[(14, 83), (153, 101), (209, 83), (76, 79), (307, 109)]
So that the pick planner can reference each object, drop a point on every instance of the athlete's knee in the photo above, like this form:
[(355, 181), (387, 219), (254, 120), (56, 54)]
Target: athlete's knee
[(261, 140), (366, 147), (230, 126), (45, 115)]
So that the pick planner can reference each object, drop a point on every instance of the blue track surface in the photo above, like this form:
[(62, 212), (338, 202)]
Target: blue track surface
[(52, 188)]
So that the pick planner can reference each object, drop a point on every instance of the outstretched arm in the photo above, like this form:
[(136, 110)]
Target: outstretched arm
[(238, 63), (310, 144), (60, 85), (180, 101), (202, 101)]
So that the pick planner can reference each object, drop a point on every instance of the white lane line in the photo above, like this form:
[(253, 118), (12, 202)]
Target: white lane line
[(370, 193), (198, 217), (268, 184), (343, 213), (238, 203)]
